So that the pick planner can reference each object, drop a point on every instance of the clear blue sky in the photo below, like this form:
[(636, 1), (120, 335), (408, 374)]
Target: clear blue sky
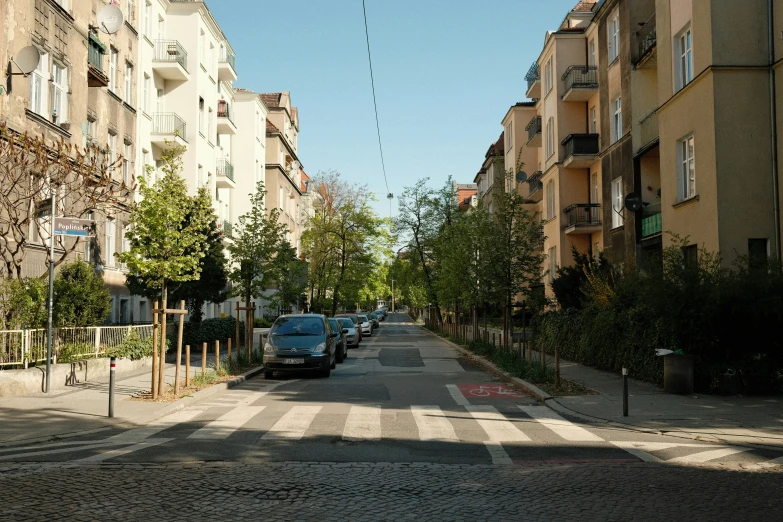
[(446, 72)]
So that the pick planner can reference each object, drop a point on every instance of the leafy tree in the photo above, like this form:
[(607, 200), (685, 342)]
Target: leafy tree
[(80, 296), (291, 277), (23, 303), (571, 284)]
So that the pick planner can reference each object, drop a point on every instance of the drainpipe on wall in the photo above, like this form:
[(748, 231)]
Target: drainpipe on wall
[(774, 129)]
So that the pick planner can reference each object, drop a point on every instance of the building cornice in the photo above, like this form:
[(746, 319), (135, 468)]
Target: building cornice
[(284, 173)]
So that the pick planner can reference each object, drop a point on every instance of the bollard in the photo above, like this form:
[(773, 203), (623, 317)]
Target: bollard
[(217, 355), (229, 350), (187, 365), (112, 372), (203, 358), (625, 392)]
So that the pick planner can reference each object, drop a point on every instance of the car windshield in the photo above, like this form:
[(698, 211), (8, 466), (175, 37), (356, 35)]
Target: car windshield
[(346, 323), (298, 326), (363, 318), (351, 318)]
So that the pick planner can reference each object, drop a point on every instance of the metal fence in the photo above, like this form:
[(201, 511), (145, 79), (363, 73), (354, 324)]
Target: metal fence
[(171, 51), (23, 348)]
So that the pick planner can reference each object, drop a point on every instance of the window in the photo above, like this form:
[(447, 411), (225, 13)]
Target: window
[(593, 121), (92, 132), (280, 197), (63, 3), (126, 242), (126, 157), (550, 137), (617, 202), (552, 263), (211, 58), (617, 119), (110, 241), (161, 28), (258, 124), (145, 159), (684, 47), (147, 19), (59, 93), (112, 149), (38, 80), (758, 252), (142, 310), (128, 84), (548, 76), (145, 95), (509, 135), (201, 115), (131, 13), (550, 199), (614, 36), (690, 256), (687, 169), (113, 71), (159, 100), (591, 55), (88, 242), (202, 47), (200, 179), (596, 190), (209, 125)]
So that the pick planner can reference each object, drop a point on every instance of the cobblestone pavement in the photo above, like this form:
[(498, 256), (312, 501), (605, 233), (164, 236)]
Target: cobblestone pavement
[(371, 491)]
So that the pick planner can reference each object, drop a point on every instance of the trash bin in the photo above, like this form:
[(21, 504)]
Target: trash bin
[(678, 373)]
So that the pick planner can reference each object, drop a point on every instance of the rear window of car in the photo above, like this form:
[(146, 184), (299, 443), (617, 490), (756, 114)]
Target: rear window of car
[(298, 326), (352, 318), (363, 318), (345, 322)]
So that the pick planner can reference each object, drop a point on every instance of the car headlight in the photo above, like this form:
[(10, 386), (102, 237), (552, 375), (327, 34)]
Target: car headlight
[(320, 348), (268, 348)]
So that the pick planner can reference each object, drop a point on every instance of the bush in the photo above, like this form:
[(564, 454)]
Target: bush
[(259, 322), (134, 348), (22, 303), (70, 352), (80, 296), (208, 331)]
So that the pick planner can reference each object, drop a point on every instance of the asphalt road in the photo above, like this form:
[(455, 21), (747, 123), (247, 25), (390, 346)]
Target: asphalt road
[(404, 428)]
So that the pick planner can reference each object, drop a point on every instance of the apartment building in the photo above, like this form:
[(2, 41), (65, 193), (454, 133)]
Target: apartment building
[(491, 177), (84, 91), (250, 115), (466, 195)]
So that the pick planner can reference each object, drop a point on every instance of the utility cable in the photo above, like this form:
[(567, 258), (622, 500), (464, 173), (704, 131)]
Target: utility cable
[(374, 102)]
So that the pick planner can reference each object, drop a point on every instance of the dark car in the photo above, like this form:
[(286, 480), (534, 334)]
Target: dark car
[(355, 319), (342, 351), (373, 316), (301, 342)]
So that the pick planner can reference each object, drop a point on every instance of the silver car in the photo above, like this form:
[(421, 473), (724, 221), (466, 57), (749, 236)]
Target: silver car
[(366, 325), (352, 336)]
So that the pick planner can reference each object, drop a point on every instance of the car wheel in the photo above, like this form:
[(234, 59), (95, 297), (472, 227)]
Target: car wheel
[(268, 374), (340, 355), (334, 362)]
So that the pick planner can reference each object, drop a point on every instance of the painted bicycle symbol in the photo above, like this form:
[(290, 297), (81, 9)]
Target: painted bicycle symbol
[(492, 391)]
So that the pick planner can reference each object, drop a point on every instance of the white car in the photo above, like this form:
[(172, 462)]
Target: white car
[(366, 325)]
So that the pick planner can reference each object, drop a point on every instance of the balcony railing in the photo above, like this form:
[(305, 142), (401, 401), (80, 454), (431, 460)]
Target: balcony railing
[(228, 228), (538, 239), (224, 110), (227, 57), (95, 52), (580, 77), (581, 144), (583, 214), (225, 169), (534, 182), (533, 128), (648, 128), (647, 39), (651, 220), (171, 51), (532, 75), (168, 123)]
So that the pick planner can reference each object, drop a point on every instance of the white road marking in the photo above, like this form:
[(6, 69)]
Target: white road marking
[(293, 424), (364, 423), (87, 445), (457, 395), (138, 434), (497, 427), (53, 445), (636, 452), (433, 424), (227, 424), (706, 456), (565, 429), (498, 454), (106, 455)]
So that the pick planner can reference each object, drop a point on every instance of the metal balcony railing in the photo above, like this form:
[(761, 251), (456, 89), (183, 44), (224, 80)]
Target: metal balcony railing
[(538, 239), (224, 110), (533, 128), (580, 77), (647, 39), (583, 214), (533, 75), (95, 52), (534, 181), (648, 128), (228, 57), (168, 123), (225, 169), (580, 144), (651, 220), (171, 51)]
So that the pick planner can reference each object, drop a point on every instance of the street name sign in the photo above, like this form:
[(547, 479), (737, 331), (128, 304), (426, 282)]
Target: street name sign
[(65, 226)]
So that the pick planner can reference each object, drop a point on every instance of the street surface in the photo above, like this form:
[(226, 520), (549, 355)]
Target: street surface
[(405, 428)]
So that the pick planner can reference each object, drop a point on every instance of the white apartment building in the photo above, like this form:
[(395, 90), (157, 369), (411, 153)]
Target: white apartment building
[(250, 117)]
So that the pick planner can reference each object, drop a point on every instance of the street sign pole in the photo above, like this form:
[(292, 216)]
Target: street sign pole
[(51, 296)]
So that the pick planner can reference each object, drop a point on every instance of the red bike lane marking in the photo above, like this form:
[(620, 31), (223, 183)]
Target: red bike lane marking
[(473, 391)]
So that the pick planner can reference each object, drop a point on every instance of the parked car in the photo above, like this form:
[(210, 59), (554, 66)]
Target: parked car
[(374, 320), (301, 342), (342, 353), (365, 324), (355, 320), (352, 335)]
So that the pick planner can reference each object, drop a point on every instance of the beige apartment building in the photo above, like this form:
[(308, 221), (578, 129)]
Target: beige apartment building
[(83, 91), (490, 178)]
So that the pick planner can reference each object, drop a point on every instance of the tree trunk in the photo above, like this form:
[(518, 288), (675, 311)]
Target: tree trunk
[(163, 338)]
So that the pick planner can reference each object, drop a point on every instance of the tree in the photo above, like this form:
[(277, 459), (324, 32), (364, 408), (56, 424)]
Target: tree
[(80, 296), (30, 170), (168, 229), (22, 303), (291, 277)]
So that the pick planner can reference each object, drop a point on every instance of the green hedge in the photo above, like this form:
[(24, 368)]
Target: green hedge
[(208, 331), (259, 322)]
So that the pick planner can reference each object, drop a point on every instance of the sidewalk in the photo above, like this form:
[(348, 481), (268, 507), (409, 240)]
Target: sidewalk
[(736, 420)]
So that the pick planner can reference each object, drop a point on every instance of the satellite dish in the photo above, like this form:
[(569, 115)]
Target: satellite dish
[(27, 59), (521, 176), (110, 19), (633, 202)]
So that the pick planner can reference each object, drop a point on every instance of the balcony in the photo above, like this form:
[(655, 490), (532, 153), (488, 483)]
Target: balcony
[(170, 60), (226, 70), (225, 125), (168, 129), (535, 191), (533, 78), (581, 150), (225, 174), (648, 129), (95, 75), (652, 225), (227, 229), (581, 82), (646, 56), (583, 218), (538, 240), (534, 132)]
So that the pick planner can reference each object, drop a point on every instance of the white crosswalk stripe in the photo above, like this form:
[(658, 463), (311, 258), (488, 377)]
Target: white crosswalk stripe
[(228, 423), (363, 423), (106, 455), (563, 428), (294, 424), (433, 424), (498, 428), (706, 456)]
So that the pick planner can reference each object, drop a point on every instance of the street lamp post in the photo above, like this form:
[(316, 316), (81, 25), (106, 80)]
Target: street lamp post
[(392, 308)]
